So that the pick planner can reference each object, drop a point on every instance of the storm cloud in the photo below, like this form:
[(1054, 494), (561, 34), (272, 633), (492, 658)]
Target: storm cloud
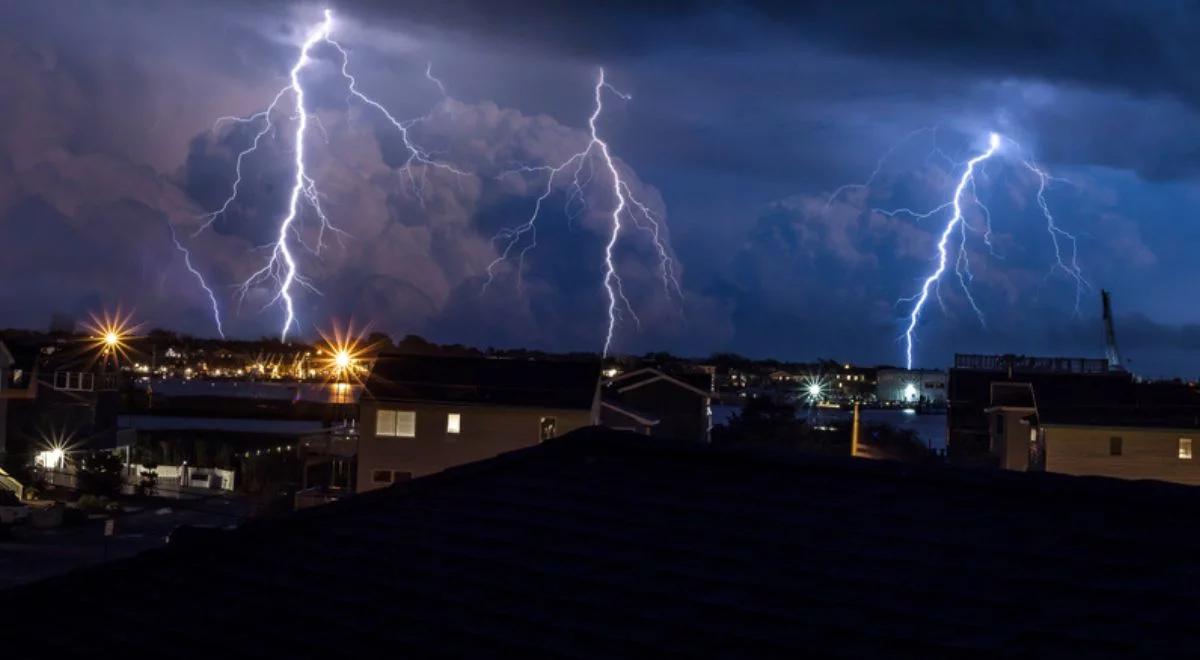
[(743, 118)]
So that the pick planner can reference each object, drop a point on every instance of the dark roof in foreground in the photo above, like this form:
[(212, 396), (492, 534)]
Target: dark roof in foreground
[(603, 544), (485, 380)]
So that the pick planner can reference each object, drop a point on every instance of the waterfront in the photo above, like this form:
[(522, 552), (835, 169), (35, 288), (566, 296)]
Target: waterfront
[(930, 428)]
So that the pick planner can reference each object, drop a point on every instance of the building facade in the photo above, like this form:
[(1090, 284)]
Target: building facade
[(653, 402), (1151, 433), (424, 414), (911, 386)]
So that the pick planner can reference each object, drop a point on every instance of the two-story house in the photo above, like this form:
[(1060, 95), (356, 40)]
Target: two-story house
[(422, 414)]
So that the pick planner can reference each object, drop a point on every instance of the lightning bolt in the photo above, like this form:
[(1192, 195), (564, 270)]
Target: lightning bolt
[(1072, 270), (281, 267), (962, 267), (187, 261), (625, 205), (957, 226)]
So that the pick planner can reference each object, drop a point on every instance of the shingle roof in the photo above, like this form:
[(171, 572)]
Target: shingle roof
[(497, 381), (605, 544)]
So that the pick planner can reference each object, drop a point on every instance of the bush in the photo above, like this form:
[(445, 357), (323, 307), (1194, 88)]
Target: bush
[(100, 473), (148, 483)]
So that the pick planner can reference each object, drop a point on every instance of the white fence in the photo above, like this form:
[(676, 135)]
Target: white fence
[(186, 476)]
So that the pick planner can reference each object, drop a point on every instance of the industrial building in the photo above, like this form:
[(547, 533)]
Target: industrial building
[(911, 386)]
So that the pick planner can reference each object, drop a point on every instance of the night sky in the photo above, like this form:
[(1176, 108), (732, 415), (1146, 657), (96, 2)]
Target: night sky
[(743, 119)]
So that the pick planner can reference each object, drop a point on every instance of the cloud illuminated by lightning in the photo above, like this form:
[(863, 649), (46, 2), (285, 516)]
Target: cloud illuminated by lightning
[(965, 192), (281, 267), (625, 206)]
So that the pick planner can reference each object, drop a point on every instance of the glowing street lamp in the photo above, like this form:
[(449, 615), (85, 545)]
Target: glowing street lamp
[(343, 356), (814, 389), (110, 335)]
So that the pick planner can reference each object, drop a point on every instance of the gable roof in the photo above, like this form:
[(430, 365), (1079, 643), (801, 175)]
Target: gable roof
[(626, 411), (603, 544), (482, 380), (647, 375)]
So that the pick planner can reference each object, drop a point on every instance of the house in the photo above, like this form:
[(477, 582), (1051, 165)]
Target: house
[(969, 392), (653, 402), (1146, 431), (607, 544), (422, 414)]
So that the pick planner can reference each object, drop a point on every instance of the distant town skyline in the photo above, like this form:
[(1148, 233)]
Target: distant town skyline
[(772, 142)]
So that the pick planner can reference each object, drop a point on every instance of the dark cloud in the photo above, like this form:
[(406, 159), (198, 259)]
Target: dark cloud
[(743, 117)]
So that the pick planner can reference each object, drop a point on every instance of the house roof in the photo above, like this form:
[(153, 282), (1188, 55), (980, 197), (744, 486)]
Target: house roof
[(1121, 416), (479, 380), (603, 544), (641, 417), (701, 384)]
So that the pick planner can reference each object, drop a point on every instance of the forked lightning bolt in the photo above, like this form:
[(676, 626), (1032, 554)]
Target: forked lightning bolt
[(281, 267), (625, 205), (965, 187), (187, 261), (956, 219)]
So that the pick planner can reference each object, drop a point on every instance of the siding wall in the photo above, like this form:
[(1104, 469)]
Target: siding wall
[(1012, 448), (1145, 453), (485, 432), (683, 413)]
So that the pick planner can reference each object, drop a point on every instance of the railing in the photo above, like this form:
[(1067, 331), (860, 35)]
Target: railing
[(1025, 363)]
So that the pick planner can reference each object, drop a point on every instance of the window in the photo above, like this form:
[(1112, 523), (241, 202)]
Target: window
[(1185, 449), (453, 423), (381, 476), (548, 428), (1114, 446), (396, 423)]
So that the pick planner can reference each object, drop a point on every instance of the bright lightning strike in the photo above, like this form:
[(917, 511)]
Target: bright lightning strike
[(965, 196), (282, 267), (956, 219), (625, 205)]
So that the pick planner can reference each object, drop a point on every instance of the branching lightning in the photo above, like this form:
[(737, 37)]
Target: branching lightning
[(187, 261), (580, 169), (964, 194), (281, 267)]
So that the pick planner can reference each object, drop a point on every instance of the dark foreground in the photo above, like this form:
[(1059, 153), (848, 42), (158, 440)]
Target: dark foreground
[(602, 544)]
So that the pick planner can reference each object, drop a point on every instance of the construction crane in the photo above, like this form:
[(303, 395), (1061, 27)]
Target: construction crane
[(1110, 337)]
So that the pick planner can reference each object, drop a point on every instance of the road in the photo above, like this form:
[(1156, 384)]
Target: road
[(33, 554)]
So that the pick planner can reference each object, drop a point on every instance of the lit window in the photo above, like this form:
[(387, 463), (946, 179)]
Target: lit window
[(1185, 448), (453, 423), (396, 423)]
